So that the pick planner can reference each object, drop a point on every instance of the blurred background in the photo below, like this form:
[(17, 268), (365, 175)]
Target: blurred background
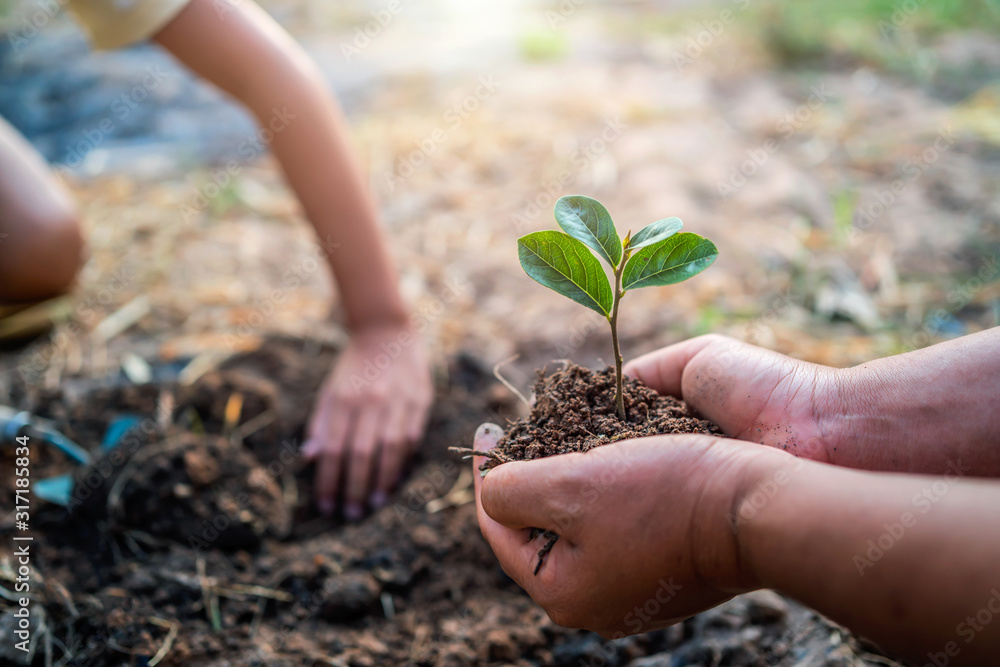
[(845, 158)]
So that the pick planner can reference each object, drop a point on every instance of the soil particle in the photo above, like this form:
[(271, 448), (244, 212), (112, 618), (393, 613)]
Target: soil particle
[(350, 596), (314, 596), (198, 490), (764, 607), (574, 411)]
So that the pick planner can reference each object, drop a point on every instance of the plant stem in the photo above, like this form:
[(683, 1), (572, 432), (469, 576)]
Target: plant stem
[(619, 393)]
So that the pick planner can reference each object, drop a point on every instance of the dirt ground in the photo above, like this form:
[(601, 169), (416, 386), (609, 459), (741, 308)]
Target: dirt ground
[(855, 204), (204, 547)]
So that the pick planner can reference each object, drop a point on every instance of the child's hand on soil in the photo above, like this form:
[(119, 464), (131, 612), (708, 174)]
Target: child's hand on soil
[(370, 414), (644, 540), (924, 412)]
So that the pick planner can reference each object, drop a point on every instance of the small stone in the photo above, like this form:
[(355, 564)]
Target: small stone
[(201, 467), (350, 596), (658, 660), (424, 537), (693, 653), (751, 634), (499, 647), (737, 655), (140, 581), (764, 607)]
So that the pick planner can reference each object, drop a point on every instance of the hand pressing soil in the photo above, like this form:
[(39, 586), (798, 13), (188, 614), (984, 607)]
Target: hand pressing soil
[(574, 411)]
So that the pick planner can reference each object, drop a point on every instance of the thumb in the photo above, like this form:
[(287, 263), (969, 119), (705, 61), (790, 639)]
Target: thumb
[(534, 494), (501, 492), (663, 369)]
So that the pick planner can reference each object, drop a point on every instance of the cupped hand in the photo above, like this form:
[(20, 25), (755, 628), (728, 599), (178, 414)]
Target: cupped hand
[(370, 414), (645, 537), (751, 393)]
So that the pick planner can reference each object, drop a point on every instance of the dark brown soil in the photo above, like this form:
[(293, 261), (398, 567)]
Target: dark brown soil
[(120, 581), (575, 411), (200, 491)]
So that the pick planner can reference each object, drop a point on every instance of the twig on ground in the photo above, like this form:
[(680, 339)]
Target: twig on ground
[(258, 617), (232, 413), (114, 495), (460, 493), (165, 404), (262, 420), (120, 320), (234, 590), (468, 453), (513, 389), (209, 598), (173, 627)]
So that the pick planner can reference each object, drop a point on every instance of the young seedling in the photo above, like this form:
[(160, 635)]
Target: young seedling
[(656, 255)]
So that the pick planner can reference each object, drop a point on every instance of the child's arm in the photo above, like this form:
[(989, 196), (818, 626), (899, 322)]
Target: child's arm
[(365, 425)]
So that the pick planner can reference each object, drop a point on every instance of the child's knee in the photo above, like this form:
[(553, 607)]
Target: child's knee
[(41, 256)]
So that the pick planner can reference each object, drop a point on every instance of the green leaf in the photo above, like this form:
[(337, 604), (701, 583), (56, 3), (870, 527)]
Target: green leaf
[(563, 264), (586, 219), (655, 232), (670, 261)]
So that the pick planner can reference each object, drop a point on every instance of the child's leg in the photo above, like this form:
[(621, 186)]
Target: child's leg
[(41, 247)]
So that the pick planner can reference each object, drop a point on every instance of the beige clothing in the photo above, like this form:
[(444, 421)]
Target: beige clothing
[(116, 23)]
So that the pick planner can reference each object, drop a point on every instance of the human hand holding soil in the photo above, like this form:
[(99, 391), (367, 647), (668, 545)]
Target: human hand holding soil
[(907, 560), (920, 412), (643, 536), (369, 425)]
